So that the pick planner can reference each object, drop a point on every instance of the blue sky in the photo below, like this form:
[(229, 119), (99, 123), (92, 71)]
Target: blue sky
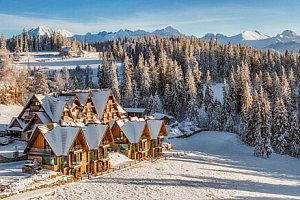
[(192, 17)]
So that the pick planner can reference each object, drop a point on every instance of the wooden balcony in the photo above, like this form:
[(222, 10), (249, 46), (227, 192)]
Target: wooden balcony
[(34, 108), (39, 151)]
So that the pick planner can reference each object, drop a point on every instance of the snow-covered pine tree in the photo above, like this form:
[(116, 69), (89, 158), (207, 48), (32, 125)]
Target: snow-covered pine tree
[(178, 92), (3, 42), (191, 91), (245, 114), (227, 115), (114, 83), (157, 105), (263, 147), (251, 126), (136, 94), (168, 99), (127, 84), (209, 98), (40, 82), (280, 127)]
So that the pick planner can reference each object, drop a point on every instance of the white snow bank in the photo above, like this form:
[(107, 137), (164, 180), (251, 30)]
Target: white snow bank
[(220, 168), (7, 150), (117, 159)]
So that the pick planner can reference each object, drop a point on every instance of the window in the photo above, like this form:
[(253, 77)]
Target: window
[(49, 161), (47, 147)]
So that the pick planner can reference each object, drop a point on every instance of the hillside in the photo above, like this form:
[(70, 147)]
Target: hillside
[(220, 167)]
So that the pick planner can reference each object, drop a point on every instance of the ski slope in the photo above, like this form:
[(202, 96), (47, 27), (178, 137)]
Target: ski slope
[(220, 167)]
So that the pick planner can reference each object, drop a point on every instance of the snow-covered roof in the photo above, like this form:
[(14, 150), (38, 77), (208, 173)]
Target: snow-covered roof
[(161, 116), (19, 121), (135, 110), (154, 127), (60, 138), (43, 117), (82, 96), (100, 99), (94, 134), (111, 123), (133, 130), (3, 127)]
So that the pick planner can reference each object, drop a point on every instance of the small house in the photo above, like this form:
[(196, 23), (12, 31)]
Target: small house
[(136, 112), (132, 138), (99, 138), (61, 149), (158, 131)]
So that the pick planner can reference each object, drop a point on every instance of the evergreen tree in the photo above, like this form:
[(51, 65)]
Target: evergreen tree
[(3, 42), (114, 83), (127, 84), (40, 82), (280, 127)]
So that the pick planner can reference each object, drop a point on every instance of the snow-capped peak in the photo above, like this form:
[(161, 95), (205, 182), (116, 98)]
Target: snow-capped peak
[(65, 33), (289, 33), (253, 35), (40, 30), (44, 30)]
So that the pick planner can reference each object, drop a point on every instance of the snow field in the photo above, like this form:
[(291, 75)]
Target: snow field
[(220, 167)]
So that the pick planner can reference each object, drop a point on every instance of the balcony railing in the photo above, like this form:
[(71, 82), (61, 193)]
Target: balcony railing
[(75, 164), (77, 147), (40, 151)]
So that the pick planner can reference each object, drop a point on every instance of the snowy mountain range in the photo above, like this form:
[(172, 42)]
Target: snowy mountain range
[(287, 40), (104, 36), (43, 30)]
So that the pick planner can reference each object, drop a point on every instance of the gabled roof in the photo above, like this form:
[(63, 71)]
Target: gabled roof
[(94, 134), (83, 97), (135, 110), (100, 99), (133, 130), (57, 108), (60, 138), (19, 121), (161, 116), (154, 127), (42, 116)]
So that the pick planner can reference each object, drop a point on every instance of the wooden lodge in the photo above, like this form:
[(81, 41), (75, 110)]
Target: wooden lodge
[(99, 138), (72, 132), (62, 149), (158, 131), (139, 139), (67, 109)]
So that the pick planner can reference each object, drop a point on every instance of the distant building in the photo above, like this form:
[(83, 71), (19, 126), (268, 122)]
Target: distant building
[(136, 112), (65, 51)]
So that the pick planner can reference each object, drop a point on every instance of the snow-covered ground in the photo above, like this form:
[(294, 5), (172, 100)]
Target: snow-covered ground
[(16, 182), (220, 167), (52, 60), (7, 150), (117, 159)]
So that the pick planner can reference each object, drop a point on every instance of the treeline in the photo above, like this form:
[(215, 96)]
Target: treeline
[(53, 42), (260, 88)]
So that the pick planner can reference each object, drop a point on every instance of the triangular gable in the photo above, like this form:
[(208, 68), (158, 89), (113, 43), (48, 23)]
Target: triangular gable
[(57, 108), (133, 130), (94, 134), (61, 139), (100, 99), (156, 128), (83, 97), (31, 97), (36, 131)]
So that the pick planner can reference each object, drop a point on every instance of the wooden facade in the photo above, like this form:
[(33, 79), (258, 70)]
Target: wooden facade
[(67, 109), (137, 150), (74, 162)]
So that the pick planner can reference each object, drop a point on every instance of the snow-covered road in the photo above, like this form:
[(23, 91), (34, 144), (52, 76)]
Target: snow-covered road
[(220, 167)]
